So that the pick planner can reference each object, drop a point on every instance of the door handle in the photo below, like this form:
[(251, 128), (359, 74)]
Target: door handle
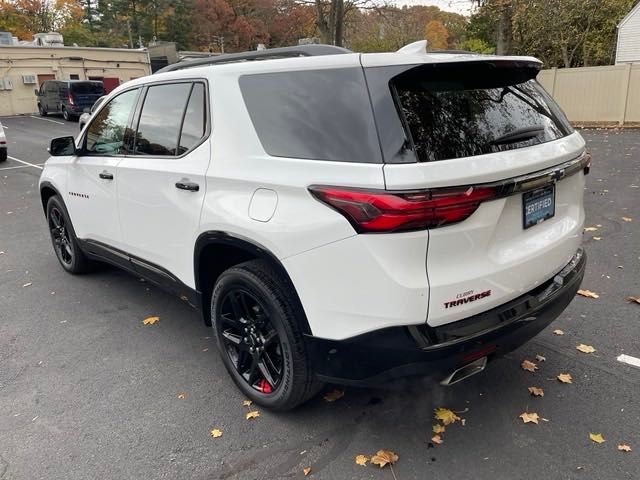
[(106, 175), (185, 185)]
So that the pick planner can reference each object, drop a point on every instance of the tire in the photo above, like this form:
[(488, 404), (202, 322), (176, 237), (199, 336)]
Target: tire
[(263, 305), (63, 238), (65, 114), (3, 154), (42, 111)]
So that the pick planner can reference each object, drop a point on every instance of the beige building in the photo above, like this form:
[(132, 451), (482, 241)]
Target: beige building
[(23, 69)]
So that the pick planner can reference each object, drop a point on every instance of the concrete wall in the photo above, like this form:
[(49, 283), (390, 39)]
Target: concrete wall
[(64, 62), (603, 95)]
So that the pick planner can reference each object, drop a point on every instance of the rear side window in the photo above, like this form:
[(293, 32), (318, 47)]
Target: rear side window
[(172, 120), (468, 110), (87, 88), (160, 120), (193, 127), (313, 114)]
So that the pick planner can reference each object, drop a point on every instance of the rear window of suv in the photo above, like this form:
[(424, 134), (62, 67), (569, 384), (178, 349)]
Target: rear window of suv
[(453, 111), (87, 88), (313, 114)]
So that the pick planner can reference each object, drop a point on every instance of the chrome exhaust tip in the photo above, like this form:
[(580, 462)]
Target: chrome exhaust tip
[(465, 372)]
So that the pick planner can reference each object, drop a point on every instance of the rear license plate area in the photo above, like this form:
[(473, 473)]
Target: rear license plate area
[(538, 205)]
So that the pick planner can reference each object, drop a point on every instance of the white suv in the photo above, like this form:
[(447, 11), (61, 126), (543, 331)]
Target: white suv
[(336, 216)]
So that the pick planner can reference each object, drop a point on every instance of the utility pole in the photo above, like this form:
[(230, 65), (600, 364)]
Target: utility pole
[(130, 37)]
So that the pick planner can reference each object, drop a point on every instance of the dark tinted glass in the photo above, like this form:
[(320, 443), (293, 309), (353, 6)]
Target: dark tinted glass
[(194, 123), (107, 131), (316, 114), (87, 88), (160, 120), (453, 114)]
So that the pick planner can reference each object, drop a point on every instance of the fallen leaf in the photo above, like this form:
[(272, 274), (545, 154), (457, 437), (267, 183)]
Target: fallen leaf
[(27, 285), (633, 299), (306, 471), (596, 437), (333, 396), (362, 460), (558, 332), (150, 320), (215, 433), (437, 439), (627, 219), (565, 378), (437, 428), (597, 239), (585, 348), (446, 416), (246, 403), (588, 294), (181, 396), (540, 358), (590, 229), (536, 391), (624, 447), (252, 414), (384, 457), (528, 366), (529, 417)]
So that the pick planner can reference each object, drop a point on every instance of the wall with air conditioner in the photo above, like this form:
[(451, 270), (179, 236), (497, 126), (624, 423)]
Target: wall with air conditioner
[(18, 63)]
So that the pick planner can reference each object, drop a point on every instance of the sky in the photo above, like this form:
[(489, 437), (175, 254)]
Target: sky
[(458, 6)]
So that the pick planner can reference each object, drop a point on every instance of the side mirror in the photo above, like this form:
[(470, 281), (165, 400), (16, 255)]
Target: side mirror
[(62, 146), (37, 92)]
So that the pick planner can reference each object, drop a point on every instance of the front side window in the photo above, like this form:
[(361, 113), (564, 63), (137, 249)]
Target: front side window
[(160, 119), (109, 130)]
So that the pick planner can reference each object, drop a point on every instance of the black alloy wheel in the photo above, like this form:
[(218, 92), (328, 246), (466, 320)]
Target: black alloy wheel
[(63, 238), (258, 323), (251, 341), (62, 242)]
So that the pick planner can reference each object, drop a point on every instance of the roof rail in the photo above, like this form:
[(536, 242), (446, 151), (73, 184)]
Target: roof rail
[(311, 50), (456, 51)]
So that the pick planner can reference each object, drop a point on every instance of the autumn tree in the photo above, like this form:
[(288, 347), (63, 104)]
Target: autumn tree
[(437, 35)]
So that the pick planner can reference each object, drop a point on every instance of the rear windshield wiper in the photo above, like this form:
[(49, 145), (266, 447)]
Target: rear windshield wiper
[(519, 134)]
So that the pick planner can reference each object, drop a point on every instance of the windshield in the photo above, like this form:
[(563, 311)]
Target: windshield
[(87, 88)]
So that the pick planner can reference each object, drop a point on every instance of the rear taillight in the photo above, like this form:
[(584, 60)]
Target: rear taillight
[(382, 211), (70, 98)]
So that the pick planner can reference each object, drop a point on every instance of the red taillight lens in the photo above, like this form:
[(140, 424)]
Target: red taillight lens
[(381, 211), (70, 98)]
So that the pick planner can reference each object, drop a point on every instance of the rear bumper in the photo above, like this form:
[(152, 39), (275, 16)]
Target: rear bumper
[(396, 352)]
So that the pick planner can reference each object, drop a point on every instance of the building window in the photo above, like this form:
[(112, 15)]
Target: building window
[(74, 76)]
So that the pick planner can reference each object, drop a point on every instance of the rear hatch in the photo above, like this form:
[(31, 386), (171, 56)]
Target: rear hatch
[(481, 136), (85, 94)]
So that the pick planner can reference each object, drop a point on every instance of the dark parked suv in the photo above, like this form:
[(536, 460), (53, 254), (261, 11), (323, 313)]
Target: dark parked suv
[(68, 97)]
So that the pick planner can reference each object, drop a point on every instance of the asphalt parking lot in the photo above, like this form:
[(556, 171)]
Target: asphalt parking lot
[(88, 391)]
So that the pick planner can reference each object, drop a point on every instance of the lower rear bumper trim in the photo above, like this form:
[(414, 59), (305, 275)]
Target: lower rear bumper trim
[(406, 351)]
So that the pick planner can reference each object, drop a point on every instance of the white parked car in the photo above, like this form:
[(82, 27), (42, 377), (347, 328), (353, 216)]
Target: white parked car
[(3, 145), (335, 216)]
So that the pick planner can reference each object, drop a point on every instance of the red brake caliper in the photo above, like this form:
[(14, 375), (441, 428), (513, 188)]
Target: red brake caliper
[(264, 386)]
